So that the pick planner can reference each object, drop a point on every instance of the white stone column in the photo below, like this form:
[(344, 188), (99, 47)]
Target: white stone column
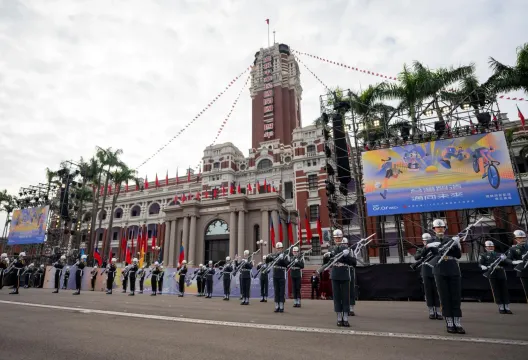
[(185, 238), (241, 232), (192, 239), (166, 241), (275, 217), (264, 232), (170, 260), (177, 244), (233, 250)]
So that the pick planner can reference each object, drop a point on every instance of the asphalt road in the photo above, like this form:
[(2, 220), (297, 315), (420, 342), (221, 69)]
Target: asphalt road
[(41, 325)]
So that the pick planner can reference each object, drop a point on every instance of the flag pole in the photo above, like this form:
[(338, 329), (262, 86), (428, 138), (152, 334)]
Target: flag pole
[(268, 35)]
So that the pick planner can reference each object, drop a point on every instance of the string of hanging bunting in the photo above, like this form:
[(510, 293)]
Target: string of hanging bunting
[(373, 73), (311, 72), (218, 96)]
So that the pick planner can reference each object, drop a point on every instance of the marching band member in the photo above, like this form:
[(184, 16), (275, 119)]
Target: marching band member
[(279, 275), (124, 277), (110, 270), (497, 279), (340, 276), (264, 279), (18, 265), (209, 273), (245, 277), (296, 276), (516, 254), (226, 277), (182, 272), (79, 274), (4, 264), (132, 275), (66, 278), (59, 265), (93, 273), (199, 274), (142, 273), (352, 271), (448, 279), (431, 294), (28, 273), (160, 279), (154, 278), (39, 276)]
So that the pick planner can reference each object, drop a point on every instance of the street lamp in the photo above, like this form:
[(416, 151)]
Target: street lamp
[(261, 243), (155, 249)]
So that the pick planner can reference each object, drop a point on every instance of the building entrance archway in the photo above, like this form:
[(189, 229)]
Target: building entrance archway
[(216, 241)]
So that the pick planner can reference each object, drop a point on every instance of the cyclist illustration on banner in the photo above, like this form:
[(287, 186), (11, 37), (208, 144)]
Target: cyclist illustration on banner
[(483, 155)]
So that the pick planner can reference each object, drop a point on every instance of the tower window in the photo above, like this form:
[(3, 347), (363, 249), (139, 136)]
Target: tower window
[(314, 213), (312, 181), (264, 164)]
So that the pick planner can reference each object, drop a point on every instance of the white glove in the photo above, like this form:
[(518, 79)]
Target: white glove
[(296, 261), (503, 257), (516, 262), (281, 256), (434, 244), (456, 239), (483, 267), (326, 254), (346, 252)]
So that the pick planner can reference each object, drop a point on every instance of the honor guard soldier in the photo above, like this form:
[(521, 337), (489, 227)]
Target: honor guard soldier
[(226, 277), (447, 277), (245, 267), (280, 262), (59, 265), (66, 278), (93, 275), (492, 263), (39, 276), (429, 285), (340, 276), (209, 273), (111, 270), (199, 274), (132, 271), (352, 271), (296, 276), (27, 275), (4, 264), (182, 272), (518, 254), (154, 278), (141, 274), (79, 274), (161, 275), (18, 265), (264, 279), (125, 277)]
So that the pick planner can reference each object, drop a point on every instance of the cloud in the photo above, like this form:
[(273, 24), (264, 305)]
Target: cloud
[(76, 74)]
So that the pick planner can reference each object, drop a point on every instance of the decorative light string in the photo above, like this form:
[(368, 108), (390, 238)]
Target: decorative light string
[(196, 117), (311, 72)]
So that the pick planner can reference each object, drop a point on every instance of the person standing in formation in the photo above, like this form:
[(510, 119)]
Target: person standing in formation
[(340, 276), (352, 271), (226, 277), (280, 261), (28, 273), (4, 264), (161, 275), (66, 278), (182, 271), (39, 276), (493, 264), (111, 270), (429, 285), (199, 274), (93, 274), (154, 274), (18, 265), (315, 285), (296, 276), (209, 274), (448, 278), (132, 271), (59, 265), (141, 274), (264, 279), (245, 267), (124, 277), (518, 254), (79, 274)]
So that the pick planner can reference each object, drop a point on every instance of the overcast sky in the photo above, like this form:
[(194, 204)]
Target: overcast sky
[(130, 74)]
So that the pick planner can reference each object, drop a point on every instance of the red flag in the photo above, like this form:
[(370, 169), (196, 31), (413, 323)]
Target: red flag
[(281, 235), (167, 178), (157, 181), (521, 116), (131, 250), (126, 186), (308, 229), (232, 188), (182, 254), (299, 230), (250, 190), (258, 187), (272, 233), (290, 231), (215, 193), (184, 198), (197, 195), (269, 188), (239, 190), (319, 230), (146, 183), (267, 21), (145, 239), (97, 257)]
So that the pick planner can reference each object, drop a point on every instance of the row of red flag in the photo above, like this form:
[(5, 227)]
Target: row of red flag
[(289, 225)]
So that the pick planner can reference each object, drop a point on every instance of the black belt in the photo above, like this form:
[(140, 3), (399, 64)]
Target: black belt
[(245, 270), (295, 268), (280, 267)]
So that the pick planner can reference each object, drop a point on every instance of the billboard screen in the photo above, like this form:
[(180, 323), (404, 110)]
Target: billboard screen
[(462, 173), (28, 226)]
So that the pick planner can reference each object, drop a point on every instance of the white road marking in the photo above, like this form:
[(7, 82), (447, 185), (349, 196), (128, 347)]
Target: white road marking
[(282, 327)]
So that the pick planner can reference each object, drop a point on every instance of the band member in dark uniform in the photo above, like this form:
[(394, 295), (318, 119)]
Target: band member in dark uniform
[(59, 265), (296, 276), (28, 273), (209, 273), (141, 274), (161, 275), (199, 275), (227, 270), (432, 299), (497, 278), (132, 276), (79, 274), (66, 278), (154, 278), (314, 280), (4, 264), (124, 275), (264, 279), (340, 276), (279, 275), (111, 271), (245, 267), (18, 265), (93, 275), (39, 277), (448, 279), (518, 254), (182, 272)]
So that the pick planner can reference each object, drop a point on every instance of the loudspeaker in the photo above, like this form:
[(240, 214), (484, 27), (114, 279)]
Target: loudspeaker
[(340, 150), (64, 200)]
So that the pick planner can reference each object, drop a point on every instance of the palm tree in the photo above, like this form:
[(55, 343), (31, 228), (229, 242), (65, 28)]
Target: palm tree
[(470, 91), (119, 176), (508, 78)]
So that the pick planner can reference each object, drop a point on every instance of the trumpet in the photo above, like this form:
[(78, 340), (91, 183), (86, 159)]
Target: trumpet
[(492, 268), (520, 267)]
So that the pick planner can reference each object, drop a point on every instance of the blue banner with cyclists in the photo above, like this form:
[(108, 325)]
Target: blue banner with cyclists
[(450, 174)]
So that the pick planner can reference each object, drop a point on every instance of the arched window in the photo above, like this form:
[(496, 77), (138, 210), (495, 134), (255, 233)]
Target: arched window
[(264, 164)]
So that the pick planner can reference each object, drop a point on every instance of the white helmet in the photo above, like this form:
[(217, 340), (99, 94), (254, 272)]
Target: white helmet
[(156, 263), (161, 267), (516, 233), (338, 233), (264, 257), (31, 265), (228, 258), (67, 268), (4, 255), (426, 237), (113, 260), (22, 254), (246, 252), (489, 243), (344, 241), (84, 257), (439, 223), (63, 257), (95, 266), (278, 245), (201, 265), (210, 262), (295, 249), (184, 262), (135, 260), (42, 266)]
